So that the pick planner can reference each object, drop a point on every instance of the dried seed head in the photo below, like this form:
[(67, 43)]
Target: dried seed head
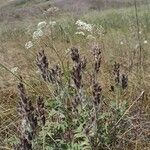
[(96, 50), (24, 145), (42, 63), (112, 88), (54, 74), (83, 63), (87, 130), (124, 81), (97, 56), (79, 65), (51, 75), (76, 102), (41, 110), (116, 67), (28, 119), (77, 76), (97, 65), (116, 72), (75, 55), (22, 95), (97, 93), (120, 79)]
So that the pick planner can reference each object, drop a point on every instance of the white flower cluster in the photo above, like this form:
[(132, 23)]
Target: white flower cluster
[(92, 30), (121, 43), (84, 26), (145, 41), (52, 23), (28, 45), (39, 32), (90, 37), (80, 33), (14, 70), (52, 9), (41, 24)]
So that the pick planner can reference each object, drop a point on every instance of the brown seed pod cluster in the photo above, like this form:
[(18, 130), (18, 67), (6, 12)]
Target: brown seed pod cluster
[(29, 118), (51, 75)]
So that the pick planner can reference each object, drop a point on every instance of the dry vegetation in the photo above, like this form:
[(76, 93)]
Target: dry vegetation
[(83, 75)]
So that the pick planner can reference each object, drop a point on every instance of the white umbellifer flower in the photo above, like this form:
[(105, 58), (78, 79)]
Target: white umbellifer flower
[(90, 37), (121, 43), (53, 9), (41, 24), (28, 45), (80, 23), (137, 46), (84, 26), (140, 32), (52, 23), (67, 51), (37, 34), (145, 42), (80, 33), (38, 72), (14, 70)]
